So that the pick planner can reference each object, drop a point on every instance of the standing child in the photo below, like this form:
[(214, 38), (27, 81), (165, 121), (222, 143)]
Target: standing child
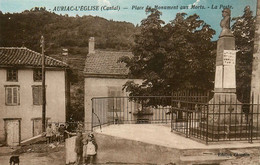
[(61, 132), (91, 147), (78, 147), (85, 156), (56, 132), (49, 133)]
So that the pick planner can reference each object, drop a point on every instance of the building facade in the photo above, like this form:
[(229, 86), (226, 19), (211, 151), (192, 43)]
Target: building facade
[(104, 77), (21, 93)]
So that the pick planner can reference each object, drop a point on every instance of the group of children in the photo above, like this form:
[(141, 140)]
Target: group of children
[(85, 147), (55, 133)]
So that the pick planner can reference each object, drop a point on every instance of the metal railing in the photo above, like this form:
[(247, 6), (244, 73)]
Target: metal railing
[(130, 110), (221, 118)]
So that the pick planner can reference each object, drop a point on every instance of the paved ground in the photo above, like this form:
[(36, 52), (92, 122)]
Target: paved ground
[(161, 135)]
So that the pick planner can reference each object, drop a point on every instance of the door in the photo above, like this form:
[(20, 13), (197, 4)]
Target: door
[(12, 132), (37, 127)]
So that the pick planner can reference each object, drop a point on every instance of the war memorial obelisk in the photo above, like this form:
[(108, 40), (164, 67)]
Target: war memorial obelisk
[(224, 103)]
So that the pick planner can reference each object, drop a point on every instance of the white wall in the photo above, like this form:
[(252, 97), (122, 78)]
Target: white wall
[(98, 87), (55, 100)]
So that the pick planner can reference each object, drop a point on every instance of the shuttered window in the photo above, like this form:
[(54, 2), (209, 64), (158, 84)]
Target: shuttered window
[(12, 95), (37, 94)]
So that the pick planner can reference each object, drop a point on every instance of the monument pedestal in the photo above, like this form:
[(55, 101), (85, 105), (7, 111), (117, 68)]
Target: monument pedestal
[(224, 108)]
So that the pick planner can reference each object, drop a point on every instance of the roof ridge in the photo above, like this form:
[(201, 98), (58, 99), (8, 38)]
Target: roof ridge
[(36, 54), (12, 47)]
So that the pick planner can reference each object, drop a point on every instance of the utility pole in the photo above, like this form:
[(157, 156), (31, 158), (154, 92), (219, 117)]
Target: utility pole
[(43, 88)]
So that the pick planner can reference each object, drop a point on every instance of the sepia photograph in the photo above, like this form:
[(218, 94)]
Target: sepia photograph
[(128, 82)]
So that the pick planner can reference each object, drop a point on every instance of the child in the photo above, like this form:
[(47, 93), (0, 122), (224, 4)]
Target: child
[(78, 147), (56, 132), (49, 133), (91, 147), (85, 142), (61, 132)]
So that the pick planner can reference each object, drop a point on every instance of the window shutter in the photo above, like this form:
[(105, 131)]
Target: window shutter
[(9, 95), (110, 100), (40, 95), (15, 95), (35, 96)]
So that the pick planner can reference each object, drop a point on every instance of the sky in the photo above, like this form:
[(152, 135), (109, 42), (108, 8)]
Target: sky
[(134, 10)]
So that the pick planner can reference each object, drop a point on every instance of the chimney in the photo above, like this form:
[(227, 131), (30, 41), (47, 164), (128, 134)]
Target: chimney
[(65, 55), (91, 45)]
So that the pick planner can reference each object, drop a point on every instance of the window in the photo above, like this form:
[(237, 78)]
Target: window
[(12, 95), (37, 94), (12, 75), (37, 75)]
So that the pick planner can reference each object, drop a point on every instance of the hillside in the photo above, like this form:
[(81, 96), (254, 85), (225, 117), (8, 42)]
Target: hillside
[(62, 31), (25, 29)]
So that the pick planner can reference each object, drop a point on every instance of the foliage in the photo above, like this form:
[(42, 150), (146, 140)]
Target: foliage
[(243, 30), (25, 29), (173, 57), (76, 110)]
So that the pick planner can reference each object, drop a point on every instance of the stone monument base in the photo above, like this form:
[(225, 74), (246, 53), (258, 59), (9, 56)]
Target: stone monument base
[(233, 131), (224, 108)]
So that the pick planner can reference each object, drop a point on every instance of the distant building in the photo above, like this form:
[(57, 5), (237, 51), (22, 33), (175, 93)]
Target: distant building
[(104, 76), (21, 93)]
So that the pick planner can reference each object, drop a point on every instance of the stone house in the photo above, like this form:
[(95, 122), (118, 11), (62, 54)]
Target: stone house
[(20, 93)]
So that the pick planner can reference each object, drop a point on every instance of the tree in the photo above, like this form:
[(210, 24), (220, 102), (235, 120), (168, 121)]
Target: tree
[(243, 30), (170, 58), (76, 110)]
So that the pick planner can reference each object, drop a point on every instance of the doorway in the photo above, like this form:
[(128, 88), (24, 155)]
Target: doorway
[(13, 131)]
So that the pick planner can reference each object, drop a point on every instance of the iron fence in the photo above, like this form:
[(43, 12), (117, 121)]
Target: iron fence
[(202, 116), (222, 118), (131, 110)]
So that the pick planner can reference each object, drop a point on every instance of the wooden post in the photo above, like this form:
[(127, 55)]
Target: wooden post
[(43, 88)]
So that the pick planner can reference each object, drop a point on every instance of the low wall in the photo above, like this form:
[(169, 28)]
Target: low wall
[(117, 150)]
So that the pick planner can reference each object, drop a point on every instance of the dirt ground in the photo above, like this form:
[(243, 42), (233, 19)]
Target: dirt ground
[(36, 154), (54, 154)]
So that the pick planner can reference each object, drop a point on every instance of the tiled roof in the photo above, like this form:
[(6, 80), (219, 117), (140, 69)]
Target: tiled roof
[(13, 56), (106, 63)]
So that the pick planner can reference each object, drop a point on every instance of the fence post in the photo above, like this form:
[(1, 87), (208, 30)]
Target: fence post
[(207, 131), (251, 120), (187, 123)]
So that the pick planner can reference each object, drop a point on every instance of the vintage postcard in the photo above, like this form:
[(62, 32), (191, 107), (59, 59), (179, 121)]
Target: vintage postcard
[(129, 82)]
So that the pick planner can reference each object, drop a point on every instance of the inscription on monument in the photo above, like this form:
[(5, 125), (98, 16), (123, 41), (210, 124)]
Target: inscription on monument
[(229, 57)]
